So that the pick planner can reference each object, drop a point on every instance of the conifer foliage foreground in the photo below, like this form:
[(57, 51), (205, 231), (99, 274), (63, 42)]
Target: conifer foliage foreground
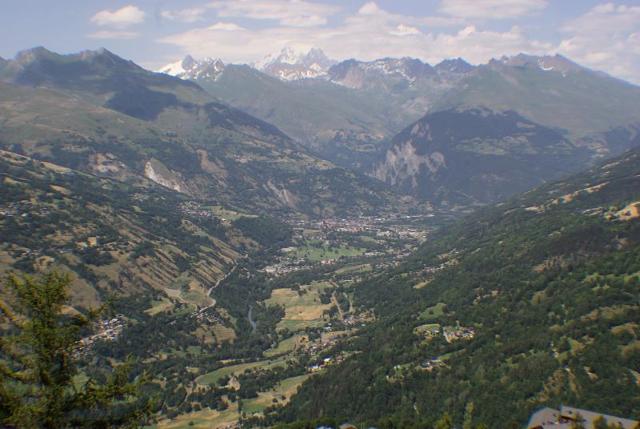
[(39, 386)]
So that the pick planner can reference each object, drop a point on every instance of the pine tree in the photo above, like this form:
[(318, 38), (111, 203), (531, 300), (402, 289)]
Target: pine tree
[(38, 363)]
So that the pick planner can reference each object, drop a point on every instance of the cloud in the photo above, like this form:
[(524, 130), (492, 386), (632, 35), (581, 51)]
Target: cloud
[(225, 26), (294, 13), (367, 34), (371, 10), (404, 30), (607, 37), (120, 18), (189, 15), (491, 9), (117, 34)]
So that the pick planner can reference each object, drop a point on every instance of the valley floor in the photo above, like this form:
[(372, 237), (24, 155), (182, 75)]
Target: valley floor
[(310, 283)]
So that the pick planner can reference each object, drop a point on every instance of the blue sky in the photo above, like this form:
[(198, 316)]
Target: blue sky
[(604, 35)]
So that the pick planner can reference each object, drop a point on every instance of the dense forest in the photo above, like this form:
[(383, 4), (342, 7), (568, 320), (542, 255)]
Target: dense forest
[(548, 283)]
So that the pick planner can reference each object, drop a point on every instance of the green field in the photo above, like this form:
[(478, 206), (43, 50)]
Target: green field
[(352, 269), (281, 392), (213, 377), (433, 312), (228, 214), (314, 252), (159, 306), (285, 346), (302, 310), (424, 328)]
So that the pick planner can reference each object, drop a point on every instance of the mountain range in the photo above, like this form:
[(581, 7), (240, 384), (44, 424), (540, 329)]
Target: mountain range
[(354, 112), (98, 113), (307, 242), (422, 130)]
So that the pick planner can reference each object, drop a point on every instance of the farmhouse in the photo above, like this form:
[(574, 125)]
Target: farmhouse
[(567, 417)]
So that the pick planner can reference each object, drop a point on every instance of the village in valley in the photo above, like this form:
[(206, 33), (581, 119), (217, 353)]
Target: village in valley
[(104, 330), (378, 240)]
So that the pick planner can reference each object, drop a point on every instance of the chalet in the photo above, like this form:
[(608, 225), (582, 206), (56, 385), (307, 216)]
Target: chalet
[(567, 417)]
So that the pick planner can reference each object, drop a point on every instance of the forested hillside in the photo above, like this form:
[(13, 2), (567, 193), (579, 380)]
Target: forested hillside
[(528, 303)]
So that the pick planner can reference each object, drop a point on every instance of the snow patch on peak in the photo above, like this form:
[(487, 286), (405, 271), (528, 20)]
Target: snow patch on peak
[(290, 64), (542, 66), (189, 68), (556, 63)]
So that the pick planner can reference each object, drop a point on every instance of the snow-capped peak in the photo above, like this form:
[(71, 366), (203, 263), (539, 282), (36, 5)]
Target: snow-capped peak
[(290, 64), (556, 63), (189, 68)]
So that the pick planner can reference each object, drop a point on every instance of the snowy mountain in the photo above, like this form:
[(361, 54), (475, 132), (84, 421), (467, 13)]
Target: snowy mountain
[(556, 63), (188, 68), (388, 72), (454, 65), (290, 64), (358, 74)]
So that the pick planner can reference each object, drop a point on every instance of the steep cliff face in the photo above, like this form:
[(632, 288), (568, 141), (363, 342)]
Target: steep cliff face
[(476, 156), (155, 171)]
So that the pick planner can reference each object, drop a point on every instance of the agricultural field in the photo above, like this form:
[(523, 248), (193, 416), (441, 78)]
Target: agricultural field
[(213, 377), (205, 418), (159, 306), (315, 251), (354, 269), (433, 312), (302, 308), (279, 395), (287, 346), (227, 214)]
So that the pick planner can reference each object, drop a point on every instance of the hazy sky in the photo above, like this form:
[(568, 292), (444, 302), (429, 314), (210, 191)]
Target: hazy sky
[(600, 34)]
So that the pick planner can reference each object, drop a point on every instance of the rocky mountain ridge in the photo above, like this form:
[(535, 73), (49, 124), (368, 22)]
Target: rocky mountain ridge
[(97, 112)]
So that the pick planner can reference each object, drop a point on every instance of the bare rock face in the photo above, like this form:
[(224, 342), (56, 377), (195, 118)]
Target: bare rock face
[(403, 162), (469, 156), (155, 171)]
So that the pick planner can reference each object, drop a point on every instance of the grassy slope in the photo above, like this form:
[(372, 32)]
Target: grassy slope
[(582, 102), (142, 238)]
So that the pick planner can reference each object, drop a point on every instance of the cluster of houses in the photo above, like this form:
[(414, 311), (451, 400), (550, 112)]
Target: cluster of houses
[(456, 333), (570, 417), (381, 226), (23, 208), (428, 331), (193, 209), (108, 330), (430, 271), (392, 225), (208, 315), (286, 266), (432, 364), (320, 230), (450, 333), (314, 347), (89, 242), (325, 363), (355, 320)]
